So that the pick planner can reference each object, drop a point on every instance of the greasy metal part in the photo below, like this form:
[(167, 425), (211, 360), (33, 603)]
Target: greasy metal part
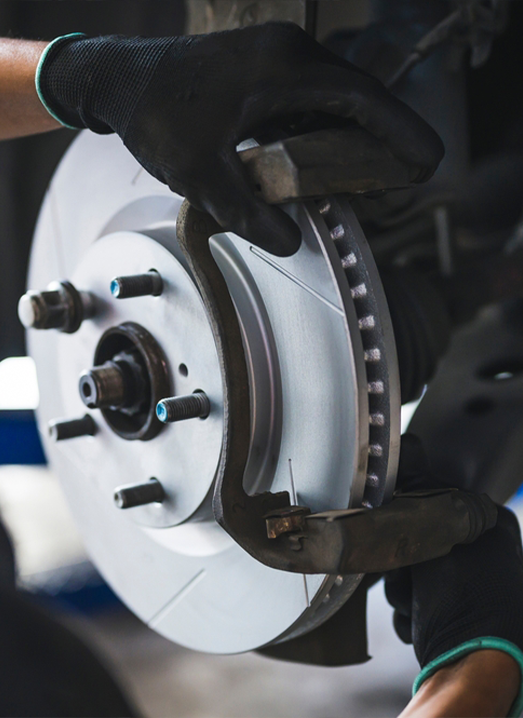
[(323, 163), (104, 386), (281, 521), (205, 16), (414, 527), (129, 378), (181, 408), (137, 285), (61, 307), (121, 383), (133, 495), (61, 430)]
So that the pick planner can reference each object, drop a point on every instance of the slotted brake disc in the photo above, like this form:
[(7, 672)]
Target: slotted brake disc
[(323, 387)]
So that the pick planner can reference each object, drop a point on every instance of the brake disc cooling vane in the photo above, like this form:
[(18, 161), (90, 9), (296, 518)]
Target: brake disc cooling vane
[(322, 390)]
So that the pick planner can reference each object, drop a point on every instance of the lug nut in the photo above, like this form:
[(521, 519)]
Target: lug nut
[(61, 430), (137, 285), (127, 497), (60, 306), (180, 408)]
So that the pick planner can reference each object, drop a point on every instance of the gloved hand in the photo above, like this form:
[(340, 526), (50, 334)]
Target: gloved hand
[(466, 601), (183, 104)]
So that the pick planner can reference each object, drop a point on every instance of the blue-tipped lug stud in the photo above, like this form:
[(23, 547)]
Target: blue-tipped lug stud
[(137, 285), (181, 408)]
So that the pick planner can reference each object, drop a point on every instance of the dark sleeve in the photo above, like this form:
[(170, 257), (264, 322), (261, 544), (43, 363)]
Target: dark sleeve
[(45, 670)]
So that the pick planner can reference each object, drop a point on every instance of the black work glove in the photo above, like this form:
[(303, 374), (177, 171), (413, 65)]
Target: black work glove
[(183, 104), (470, 599)]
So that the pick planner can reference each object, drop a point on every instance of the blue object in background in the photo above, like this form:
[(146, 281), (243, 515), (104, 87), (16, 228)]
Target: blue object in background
[(80, 587), (19, 439)]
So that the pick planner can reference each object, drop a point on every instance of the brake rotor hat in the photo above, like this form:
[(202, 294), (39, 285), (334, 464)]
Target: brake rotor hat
[(322, 380)]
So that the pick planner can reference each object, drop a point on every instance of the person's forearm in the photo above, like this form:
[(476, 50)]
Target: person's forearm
[(484, 684), (21, 112)]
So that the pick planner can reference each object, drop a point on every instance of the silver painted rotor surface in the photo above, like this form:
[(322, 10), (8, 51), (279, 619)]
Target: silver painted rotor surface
[(324, 392)]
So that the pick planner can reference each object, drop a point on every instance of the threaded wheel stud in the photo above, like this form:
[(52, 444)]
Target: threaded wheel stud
[(137, 285), (62, 430), (181, 408), (127, 497)]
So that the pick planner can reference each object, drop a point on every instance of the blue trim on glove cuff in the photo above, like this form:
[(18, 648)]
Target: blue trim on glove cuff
[(477, 644), (39, 73)]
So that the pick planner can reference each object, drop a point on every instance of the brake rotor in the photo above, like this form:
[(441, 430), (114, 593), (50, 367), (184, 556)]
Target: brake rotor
[(323, 383)]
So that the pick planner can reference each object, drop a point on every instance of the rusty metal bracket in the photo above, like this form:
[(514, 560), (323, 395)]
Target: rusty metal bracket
[(412, 528), (324, 162)]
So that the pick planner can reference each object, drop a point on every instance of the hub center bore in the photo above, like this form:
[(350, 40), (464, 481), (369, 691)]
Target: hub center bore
[(128, 379)]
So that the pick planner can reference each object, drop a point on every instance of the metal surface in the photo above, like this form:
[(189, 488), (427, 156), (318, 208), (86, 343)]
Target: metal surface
[(379, 348), (104, 386), (128, 497), (181, 408), (72, 428), (130, 376), (303, 329), (412, 528), (323, 163), (61, 307), (138, 285)]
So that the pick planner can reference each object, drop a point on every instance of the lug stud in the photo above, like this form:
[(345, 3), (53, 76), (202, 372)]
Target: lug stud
[(61, 430), (127, 497), (60, 306), (181, 408), (137, 285)]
